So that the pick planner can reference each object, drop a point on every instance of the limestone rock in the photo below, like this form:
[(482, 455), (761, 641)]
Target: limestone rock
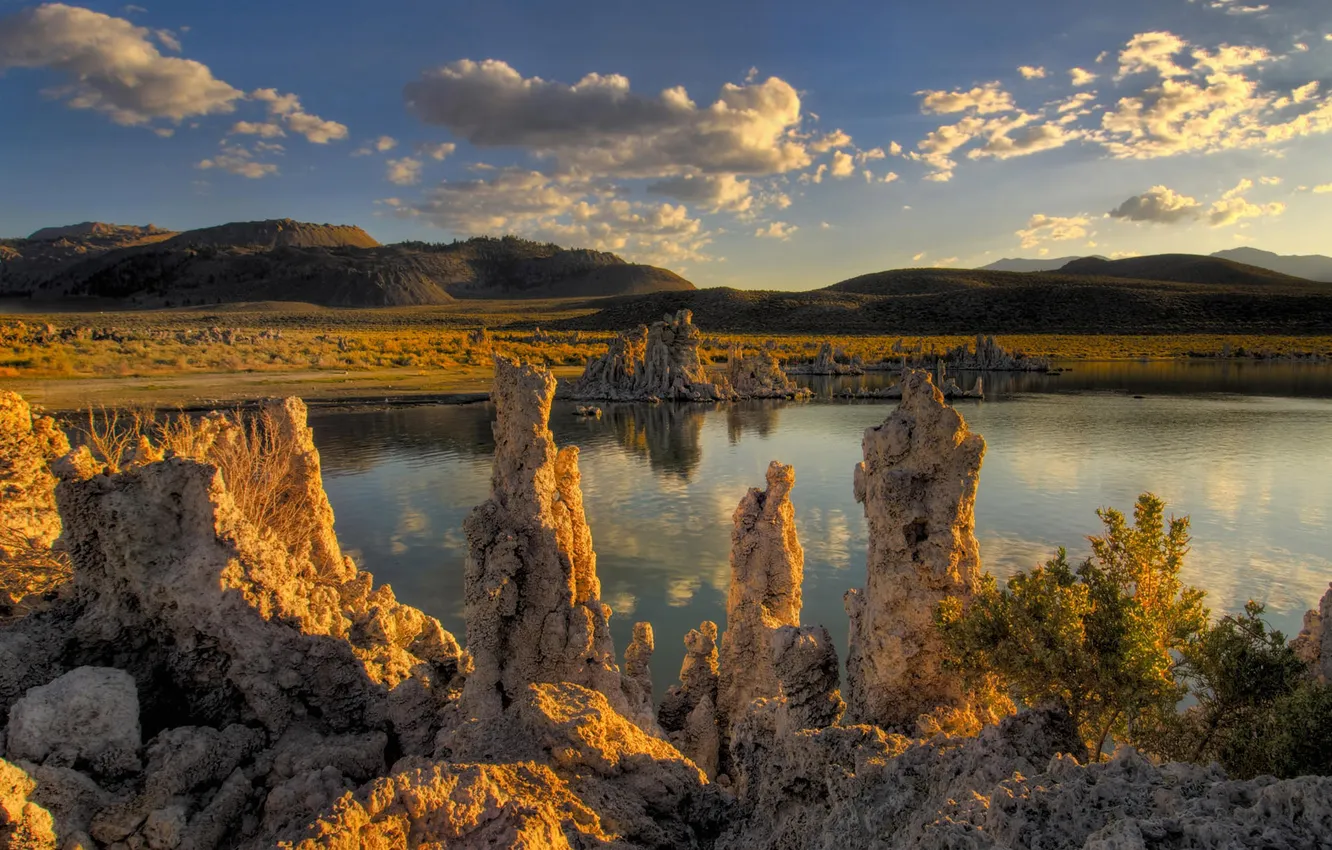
[(24, 825), (990, 356), (918, 485), (805, 662), (531, 594), (1314, 642), (691, 729), (825, 363), (28, 445), (656, 363), (760, 375), (82, 715), (638, 676)]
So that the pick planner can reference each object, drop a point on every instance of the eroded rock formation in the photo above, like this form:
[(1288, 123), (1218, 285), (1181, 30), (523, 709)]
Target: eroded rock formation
[(648, 364), (825, 363), (532, 599), (688, 712), (28, 445), (918, 485), (990, 356), (1314, 642), (760, 375), (767, 569)]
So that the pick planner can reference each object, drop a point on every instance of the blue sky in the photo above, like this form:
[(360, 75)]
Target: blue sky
[(764, 145)]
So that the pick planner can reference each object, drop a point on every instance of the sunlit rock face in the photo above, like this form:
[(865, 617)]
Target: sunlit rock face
[(688, 711), (660, 362), (767, 569), (1314, 642), (28, 445), (918, 485), (532, 599)]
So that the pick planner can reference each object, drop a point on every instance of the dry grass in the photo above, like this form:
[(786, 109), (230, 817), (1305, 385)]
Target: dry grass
[(27, 573)]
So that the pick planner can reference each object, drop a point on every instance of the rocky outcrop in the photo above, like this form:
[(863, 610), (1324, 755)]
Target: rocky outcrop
[(688, 712), (657, 363), (1314, 642), (918, 486), (767, 569), (825, 363), (988, 355), (808, 677), (531, 593), (638, 678), (88, 715), (28, 444), (760, 375)]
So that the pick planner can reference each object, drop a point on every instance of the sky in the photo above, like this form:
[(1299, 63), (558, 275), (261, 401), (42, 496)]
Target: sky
[(757, 145)]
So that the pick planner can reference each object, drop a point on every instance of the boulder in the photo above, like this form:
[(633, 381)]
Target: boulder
[(88, 713)]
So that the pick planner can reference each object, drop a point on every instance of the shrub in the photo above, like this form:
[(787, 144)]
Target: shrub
[(1099, 641)]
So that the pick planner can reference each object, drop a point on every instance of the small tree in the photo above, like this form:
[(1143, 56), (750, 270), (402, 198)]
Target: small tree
[(1102, 640)]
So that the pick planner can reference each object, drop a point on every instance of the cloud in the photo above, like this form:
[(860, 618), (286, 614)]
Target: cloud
[(815, 176), (984, 99), (262, 129), (1234, 7), (870, 155), (715, 193), (916, 258), (287, 108), (890, 177), (405, 171), (944, 263), (777, 230), (437, 152), (583, 213), (1008, 139), (1270, 181), (843, 165), (894, 149), (112, 66), (236, 159), (1160, 205), (1081, 77), (1030, 73), (131, 9), (600, 126), (825, 143), (1152, 52), (381, 145), (1322, 189), (1044, 228), (1233, 207), (823, 225)]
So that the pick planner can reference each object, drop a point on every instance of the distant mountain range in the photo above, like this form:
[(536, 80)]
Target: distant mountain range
[(286, 260), (1310, 266)]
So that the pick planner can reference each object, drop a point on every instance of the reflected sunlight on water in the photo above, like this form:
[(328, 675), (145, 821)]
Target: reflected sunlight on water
[(1254, 472)]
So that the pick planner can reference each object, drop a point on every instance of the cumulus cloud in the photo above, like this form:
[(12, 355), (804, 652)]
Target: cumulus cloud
[(1045, 228), (1322, 189), (1159, 204), (715, 193), (1031, 73), (1233, 207), (262, 129), (287, 109), (894, 149), (870, 155), (1270, 181), (381, 145), (236, 159), (889, 177), (404, 171), (916, 258), (112, 66), (437, 152), (843, 165), (1235, 7), (600, 126), (982, 100), (1081, 77), (828, 141), (777, 230), (1020, 138), (572, 212)]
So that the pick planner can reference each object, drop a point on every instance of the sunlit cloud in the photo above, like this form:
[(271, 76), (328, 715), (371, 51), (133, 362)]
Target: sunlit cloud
[(1159, 204), (777, 230), (238, 160), (1044, 228), (1031, 73)]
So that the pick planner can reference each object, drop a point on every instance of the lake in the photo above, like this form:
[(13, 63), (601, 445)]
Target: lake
[(1243, 449)]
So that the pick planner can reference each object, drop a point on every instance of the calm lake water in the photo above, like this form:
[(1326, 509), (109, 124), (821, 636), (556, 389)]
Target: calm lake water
[(1245, 450)]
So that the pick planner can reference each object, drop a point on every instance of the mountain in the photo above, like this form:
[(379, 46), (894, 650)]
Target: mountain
[(285, 260), (1308, 266), (912, 302), (1179, 268), (1017, 264)]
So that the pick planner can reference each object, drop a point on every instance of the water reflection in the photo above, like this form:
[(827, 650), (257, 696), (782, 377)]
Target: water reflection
[(661, 482)]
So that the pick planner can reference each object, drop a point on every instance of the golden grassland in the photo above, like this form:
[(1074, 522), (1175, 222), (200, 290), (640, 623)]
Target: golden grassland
[(298, 338)]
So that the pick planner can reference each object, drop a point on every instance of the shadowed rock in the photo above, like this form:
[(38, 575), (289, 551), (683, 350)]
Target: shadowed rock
[(1314, 642), (688, 711), (918, 485), (660, 362)]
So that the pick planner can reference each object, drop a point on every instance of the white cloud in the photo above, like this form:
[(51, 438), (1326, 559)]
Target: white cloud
[(944, 263), (287, 108), (1322, 189), (1081, 77), (269, 147), (437, 152), (815, 176), (777, 230), (404, 171), (1270, 181), (131, 9), (1152, 51), (890, 177), (238, 160), (843, 165), (1234, 7), (825, 143), (823, 225), (381, 145), (1044, 228), (1233, 207), (1032, 73), (894, 149), (984, 99), (579, 213), (263, 129), (1159, 204), (715, 193), (870, 155), (168, 39), (1012, 138), (600, 126), (112, 66), (916, 258)]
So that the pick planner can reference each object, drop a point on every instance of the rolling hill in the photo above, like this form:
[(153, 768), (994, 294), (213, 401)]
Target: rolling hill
[(1019, 264), (285, 260), (1179, 268), (965, 301), (1309, 266)]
